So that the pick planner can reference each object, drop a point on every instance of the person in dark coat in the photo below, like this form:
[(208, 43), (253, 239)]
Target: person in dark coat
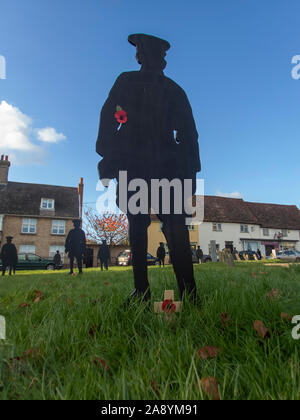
[(57, 260), (161, 254), (104, 255), (147, 129), (258, 253), (76, 246), (199, 255), (9, 256)]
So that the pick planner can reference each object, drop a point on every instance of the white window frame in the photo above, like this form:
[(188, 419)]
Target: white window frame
[(217, 227), (1, 222), (266, 232), (27, 249), (191, 228), (244, 228), (285, 233), (47, 204), (31, 225), (59, 226)]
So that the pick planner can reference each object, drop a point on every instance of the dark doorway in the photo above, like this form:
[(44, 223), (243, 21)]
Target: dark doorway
[(229, 245), (89, 258), (269, 249)]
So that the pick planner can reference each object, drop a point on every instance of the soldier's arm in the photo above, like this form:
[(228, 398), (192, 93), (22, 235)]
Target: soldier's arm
[(187, 133), (67, 244), (108, 124)]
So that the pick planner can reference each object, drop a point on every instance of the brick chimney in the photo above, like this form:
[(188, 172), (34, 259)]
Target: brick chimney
[(4, 168), (80, 193)]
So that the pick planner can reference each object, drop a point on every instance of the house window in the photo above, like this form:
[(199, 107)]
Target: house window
[(191, 227), (217, 227), (29, 226), (1, 222), (47, 204), (27, 249), (58, 227), (266, 232), (244, 229), (284, 233), (54, 249)]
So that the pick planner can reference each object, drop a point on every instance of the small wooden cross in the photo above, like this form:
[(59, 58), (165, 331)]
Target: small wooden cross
[(169, 295)]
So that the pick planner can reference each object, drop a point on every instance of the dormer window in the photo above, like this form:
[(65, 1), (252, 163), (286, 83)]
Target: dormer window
[(47, 204)]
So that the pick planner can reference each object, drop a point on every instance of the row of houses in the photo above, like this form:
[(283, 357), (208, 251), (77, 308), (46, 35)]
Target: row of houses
[(40, 216), (244, 226)]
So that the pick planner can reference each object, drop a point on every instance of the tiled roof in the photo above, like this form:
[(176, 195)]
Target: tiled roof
[(232, 210), (25, 199), (227, 210), (276, 216)]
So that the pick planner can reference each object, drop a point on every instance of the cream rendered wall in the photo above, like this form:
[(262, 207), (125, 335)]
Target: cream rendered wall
[(232, 232)]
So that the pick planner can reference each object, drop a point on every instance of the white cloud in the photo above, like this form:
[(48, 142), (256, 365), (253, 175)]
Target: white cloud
[(17, 136), (49, 135), (235, 194)]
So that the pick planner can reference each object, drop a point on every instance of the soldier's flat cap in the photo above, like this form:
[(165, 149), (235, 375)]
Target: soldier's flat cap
[(10, 237), (148, 40)]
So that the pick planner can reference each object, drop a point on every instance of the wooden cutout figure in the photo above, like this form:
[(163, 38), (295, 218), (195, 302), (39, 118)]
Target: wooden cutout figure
[(147, 132), (246, 257), (168, 306), (237, 257), (255, 257)]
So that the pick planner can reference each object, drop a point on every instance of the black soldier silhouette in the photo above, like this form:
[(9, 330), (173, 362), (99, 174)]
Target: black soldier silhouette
[(76, 246), (137, 125), (104, 255), (161, 254), (9, 256), (57, 260)]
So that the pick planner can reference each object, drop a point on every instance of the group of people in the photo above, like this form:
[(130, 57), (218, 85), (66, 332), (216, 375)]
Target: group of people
[(161, 254), (75, 247)]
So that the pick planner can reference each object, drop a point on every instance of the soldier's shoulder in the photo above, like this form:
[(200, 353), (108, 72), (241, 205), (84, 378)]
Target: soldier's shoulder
[(174, 86), (127, 76)]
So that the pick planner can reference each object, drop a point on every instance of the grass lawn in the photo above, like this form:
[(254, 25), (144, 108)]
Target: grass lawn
[(77, 342)]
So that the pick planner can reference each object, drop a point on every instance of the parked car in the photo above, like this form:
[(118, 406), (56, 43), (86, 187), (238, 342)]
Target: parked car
[(289, 255), (250, 255), (34, 262), (206, 258), (124, 258)]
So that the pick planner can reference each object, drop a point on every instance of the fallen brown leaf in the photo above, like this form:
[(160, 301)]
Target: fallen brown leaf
[(68, 301), (24, 305), (106, 284), (101, 363), (154, 386), (207, 352), (261, 329), (286, 317), (210, 387), (225, 318), (274, 294), (253, 275)]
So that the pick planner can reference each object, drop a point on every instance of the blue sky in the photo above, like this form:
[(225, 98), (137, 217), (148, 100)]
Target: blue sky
[(233, 58)]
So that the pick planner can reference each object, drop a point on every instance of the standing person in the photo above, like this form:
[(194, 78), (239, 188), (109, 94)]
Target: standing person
[(57, 260), (76, 246), (199, 254), (9, 256), (104, 255), (147, 132), (258, 254), (161, 254)]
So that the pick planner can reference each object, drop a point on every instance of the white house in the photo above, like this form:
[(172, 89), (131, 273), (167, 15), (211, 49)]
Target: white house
[(235, 223)]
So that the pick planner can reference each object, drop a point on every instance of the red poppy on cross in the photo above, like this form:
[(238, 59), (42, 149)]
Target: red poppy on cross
[(168, 306)]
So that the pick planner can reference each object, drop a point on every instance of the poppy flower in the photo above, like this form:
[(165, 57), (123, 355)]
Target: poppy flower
[(168, 306), (121, 116)]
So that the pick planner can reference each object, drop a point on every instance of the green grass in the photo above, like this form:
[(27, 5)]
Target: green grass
[(149, 358)]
